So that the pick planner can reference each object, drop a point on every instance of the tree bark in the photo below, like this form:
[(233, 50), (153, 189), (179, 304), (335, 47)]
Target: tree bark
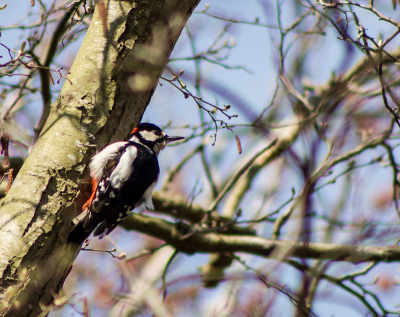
[(110, 84)]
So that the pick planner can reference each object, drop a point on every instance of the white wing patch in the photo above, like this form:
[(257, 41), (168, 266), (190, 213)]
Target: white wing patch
[(147, 202), (124, 168), (100, 160)]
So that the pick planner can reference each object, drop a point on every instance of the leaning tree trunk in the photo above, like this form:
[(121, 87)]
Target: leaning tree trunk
[(112, 80)]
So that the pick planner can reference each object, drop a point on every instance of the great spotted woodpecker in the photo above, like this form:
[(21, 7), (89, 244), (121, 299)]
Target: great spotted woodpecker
[(123, 175)]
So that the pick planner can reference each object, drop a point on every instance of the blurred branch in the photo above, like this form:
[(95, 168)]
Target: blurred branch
[(364, 271), (178, 208), (364, 46), (172, 172), (329, 163), (44, 72), (144, 252), (163, 278), (206, 167), (14, 162), (256, 22), (370, 8), (277, 287), (335, 281), (239, 174), (312, 289), (198, 242), (395, 172), (142, 291), (242, 186)]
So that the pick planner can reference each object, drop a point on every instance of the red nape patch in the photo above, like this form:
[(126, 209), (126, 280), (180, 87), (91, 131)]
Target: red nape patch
[(87, 204), (135, 130)]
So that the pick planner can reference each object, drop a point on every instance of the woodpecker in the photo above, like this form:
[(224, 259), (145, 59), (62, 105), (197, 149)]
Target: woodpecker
[(123, 177)]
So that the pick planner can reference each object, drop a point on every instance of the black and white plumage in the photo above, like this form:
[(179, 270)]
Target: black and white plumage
[(123, 175)]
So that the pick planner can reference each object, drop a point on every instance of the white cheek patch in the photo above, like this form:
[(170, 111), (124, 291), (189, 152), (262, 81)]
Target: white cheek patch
[(147, 135), (124, 167), (100, 160)]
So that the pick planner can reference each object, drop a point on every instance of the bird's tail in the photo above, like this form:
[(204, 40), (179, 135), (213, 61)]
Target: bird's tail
[(81, 229), (79, 234)]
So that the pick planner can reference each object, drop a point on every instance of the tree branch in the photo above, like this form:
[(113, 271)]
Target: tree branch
[(218, 243)]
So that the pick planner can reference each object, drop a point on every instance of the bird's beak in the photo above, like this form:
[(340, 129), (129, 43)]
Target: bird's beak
[(169, 139)]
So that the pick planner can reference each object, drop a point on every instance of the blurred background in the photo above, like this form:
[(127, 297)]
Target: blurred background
[(306, 73)]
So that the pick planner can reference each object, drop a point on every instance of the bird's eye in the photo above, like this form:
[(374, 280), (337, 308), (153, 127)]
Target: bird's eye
[(156, 132)]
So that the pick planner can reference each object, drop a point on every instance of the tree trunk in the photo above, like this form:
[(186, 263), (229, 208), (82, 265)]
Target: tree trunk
[(112, 80)]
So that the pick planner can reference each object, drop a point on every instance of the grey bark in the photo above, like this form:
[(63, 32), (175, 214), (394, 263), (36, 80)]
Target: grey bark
[(112, 80)]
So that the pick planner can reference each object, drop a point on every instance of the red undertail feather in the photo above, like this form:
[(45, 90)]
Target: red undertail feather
[(87, 204)]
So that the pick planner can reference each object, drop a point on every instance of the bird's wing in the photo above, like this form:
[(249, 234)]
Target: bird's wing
[(125, 167), (105, 212), (101, 166), (115, 173), (105, 159)]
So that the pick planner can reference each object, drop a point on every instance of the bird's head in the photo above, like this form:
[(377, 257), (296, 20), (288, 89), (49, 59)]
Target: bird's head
[(152, 136)]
